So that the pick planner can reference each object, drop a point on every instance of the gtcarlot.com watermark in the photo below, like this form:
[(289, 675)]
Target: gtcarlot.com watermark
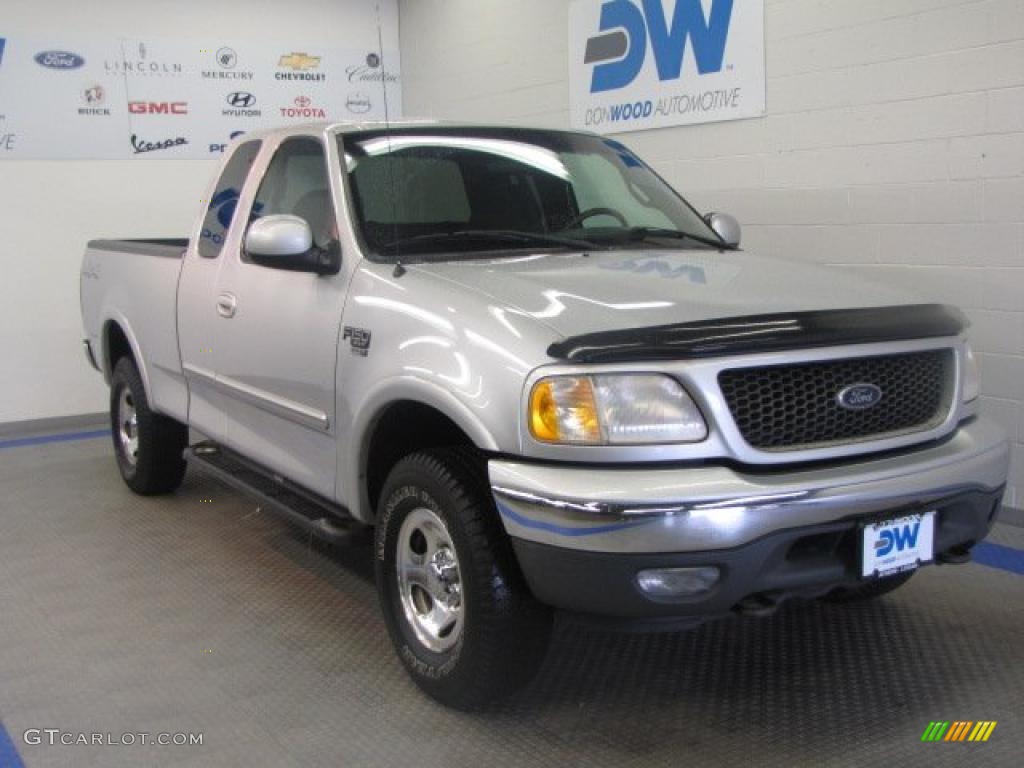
[(56, 737)]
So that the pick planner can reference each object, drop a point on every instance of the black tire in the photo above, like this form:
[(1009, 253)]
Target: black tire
[(870, 590), (504, 631), (157, 465)]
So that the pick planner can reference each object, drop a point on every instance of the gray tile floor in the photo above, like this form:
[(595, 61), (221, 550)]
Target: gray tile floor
[(197, 613)]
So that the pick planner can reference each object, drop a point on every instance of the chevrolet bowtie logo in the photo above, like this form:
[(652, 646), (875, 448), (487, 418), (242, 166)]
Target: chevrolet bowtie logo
[(299, 61)]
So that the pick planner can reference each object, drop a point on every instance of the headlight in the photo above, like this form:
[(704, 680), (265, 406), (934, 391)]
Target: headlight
[(614, 409), (972, 379)]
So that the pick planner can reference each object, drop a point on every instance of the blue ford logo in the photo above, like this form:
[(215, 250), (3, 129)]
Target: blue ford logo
[(59, 60), (859, 397)]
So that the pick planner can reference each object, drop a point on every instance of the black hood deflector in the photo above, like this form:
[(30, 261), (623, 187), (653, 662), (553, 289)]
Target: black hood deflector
[(762, 333)]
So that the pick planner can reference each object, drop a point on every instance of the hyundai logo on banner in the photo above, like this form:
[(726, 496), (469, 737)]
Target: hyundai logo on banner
[(637, 64)]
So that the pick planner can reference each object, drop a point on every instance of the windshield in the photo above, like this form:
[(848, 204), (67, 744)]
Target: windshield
[(435, 192)]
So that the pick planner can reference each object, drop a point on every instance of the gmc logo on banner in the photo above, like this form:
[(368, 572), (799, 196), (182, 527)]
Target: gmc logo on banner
[(158, 107)]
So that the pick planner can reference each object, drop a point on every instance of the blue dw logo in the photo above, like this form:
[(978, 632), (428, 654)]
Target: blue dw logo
[(627, 27), (899, 538)]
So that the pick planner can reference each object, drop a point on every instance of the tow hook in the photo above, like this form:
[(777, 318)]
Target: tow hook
[(957, 555), (757, 606)]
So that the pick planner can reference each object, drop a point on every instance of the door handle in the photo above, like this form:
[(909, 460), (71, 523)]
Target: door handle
[(226, 305)]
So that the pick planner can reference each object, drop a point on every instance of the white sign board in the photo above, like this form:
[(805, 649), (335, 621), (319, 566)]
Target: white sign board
[(115, 98), (639, 64)]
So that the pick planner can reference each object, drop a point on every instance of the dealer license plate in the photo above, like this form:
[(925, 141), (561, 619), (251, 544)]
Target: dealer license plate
[(893, 546)]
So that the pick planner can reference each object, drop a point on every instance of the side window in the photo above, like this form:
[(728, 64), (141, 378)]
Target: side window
[(296, 183), (221, 211)]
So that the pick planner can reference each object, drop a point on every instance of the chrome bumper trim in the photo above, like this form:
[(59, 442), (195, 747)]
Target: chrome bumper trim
[(705, 508)]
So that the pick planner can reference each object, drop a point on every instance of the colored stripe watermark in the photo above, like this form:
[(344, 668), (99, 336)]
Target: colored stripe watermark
[(959, 730)]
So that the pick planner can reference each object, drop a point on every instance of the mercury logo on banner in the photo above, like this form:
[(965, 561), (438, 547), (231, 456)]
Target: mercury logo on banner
[(638, 64)]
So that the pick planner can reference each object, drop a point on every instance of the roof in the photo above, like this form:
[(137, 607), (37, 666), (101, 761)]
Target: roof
[(353, 126)]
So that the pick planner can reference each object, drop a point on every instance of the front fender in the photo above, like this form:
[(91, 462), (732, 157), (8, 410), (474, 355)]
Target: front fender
[(352, 453)]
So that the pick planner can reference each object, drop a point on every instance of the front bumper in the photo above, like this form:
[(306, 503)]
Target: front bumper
[(582, 533)]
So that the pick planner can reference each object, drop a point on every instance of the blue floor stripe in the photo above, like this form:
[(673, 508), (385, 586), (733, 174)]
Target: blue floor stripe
[(9, 757), (999, 556), (68, 437)]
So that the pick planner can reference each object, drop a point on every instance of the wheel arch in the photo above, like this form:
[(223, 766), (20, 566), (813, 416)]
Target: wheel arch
[(117, 341), (401, 423)]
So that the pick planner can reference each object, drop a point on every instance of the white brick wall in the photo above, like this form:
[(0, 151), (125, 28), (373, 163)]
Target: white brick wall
[(893, 145)]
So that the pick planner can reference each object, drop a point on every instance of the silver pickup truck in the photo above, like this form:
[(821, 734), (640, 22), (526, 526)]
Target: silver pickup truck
[(543, 381)]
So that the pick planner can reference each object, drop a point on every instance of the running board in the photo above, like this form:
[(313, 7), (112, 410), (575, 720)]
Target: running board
[(317, 516)]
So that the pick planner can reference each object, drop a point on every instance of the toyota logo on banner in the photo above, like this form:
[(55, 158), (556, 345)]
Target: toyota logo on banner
[(241, 99)]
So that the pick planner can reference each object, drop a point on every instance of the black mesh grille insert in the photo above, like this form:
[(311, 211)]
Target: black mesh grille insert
[(787, 407)]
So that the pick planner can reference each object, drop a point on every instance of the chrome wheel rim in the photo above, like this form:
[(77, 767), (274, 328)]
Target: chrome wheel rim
[(429, 580), (128, 427)]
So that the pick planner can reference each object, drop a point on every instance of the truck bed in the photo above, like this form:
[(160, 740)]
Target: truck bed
[(139, 295)]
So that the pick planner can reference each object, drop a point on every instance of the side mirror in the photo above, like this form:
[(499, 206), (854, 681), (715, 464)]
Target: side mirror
[(726, 227), (286, 242)]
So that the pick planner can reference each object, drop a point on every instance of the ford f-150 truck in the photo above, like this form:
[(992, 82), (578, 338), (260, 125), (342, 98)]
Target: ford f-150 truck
[(544, 381)]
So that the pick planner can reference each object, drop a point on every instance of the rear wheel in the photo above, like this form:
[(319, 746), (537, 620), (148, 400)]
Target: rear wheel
[(148, 446), (456, 606), (870, 590)]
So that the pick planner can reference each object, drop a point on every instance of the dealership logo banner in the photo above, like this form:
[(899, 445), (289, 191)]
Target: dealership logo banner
[(639, 64), (79, 97)]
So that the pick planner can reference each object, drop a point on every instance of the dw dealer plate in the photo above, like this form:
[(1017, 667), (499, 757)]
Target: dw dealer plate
[(895, 545)]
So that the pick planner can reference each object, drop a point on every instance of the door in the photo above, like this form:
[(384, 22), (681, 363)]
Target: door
[(276, 338), (197, 292)]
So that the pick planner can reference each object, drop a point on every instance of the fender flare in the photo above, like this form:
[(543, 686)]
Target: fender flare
[(353, 459), (113, 317)]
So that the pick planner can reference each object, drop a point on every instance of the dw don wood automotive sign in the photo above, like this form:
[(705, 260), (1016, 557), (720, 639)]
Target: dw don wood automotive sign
[(638, 64)]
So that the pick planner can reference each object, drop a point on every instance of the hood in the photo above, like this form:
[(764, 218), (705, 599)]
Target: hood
[(612, 290)]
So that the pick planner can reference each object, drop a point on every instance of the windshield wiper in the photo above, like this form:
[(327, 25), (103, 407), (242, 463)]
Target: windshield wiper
[(497, 235), (647, 233)]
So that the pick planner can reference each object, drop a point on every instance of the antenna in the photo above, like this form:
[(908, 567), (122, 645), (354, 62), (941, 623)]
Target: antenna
[(399, 269)]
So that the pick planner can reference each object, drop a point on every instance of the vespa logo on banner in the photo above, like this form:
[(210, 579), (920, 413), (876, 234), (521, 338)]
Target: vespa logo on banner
[(637, 64)]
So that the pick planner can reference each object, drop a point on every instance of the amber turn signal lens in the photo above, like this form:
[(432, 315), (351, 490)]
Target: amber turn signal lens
[(563, 410)]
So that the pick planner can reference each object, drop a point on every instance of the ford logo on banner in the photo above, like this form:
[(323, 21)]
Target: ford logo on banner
[(638, 64), (59, 60)]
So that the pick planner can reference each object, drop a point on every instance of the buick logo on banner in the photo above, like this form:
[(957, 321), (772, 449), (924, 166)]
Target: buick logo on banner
[(637, 64)]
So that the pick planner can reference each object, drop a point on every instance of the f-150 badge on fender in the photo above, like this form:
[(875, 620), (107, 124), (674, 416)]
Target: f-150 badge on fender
[(360, 338)]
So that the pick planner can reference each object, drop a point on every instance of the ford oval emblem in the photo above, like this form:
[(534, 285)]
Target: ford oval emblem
[(59, 60), (859, 397)]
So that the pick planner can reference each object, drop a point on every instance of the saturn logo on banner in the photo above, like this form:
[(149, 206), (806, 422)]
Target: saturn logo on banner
[(638, 64)]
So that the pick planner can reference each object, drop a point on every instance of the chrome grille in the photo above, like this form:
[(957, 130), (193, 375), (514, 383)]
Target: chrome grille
[(790, 407)]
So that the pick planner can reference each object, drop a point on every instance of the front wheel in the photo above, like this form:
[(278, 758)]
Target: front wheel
[(148, 446), (456, 606)]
